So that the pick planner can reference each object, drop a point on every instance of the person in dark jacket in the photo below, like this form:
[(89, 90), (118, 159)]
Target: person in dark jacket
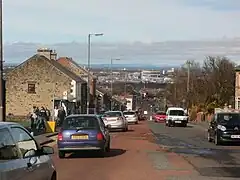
[(61, 115)]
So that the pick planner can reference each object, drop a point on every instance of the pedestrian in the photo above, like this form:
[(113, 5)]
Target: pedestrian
[(42, 119), (56, 113), (33, 117), (61, 115), (48, 114)]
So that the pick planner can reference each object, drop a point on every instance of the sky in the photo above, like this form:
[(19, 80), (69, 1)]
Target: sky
[(54, 21)]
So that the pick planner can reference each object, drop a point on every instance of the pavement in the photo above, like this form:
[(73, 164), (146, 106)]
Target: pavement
[(46, 138)]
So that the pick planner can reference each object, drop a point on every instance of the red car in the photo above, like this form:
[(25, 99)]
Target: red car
[(160, 117)]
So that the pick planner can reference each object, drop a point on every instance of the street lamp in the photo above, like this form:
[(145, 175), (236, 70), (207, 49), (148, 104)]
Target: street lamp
[(89, 63), (112, 80), (1, 64)]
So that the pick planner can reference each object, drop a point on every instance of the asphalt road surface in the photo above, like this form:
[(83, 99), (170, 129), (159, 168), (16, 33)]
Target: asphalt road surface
[(206, 160), (152, 151)]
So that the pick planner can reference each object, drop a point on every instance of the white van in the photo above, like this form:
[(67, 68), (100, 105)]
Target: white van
[(175, 116)]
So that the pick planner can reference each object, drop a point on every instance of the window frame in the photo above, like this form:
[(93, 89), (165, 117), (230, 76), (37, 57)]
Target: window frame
[(36, 143), (10, 136), (31, 90)]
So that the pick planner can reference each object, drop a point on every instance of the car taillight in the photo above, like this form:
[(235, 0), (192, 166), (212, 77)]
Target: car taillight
[(99, 136), (60, 136)]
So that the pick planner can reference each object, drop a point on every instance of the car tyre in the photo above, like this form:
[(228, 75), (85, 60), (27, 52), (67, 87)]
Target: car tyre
[(184, 124), (217, 140), (61, 154), (136, 122), (54, 176), (108, 148)]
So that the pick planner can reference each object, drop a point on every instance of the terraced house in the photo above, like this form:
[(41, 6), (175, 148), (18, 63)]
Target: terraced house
[(42, 81), (98, 98)]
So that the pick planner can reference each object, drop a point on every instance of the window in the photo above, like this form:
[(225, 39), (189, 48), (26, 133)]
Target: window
[(8, 149), (80, 122), (176, 113), (31, 88), (113, 114), (24, 141)]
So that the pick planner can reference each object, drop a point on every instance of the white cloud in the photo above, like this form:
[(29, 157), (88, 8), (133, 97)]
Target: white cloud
[(125, 20)]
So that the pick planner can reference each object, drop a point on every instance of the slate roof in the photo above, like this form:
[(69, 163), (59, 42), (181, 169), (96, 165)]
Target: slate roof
[(56, 65)]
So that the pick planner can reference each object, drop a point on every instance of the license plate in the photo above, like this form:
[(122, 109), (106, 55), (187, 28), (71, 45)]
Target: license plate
[(235, 136), (178, 121), (80, 137)]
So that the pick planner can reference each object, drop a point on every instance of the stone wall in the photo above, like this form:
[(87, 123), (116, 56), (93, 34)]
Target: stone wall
[(48, 81), (203, 117)]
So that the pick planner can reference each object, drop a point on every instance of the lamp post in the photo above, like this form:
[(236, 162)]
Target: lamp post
[(1, 63), (88, 65), (111, 68)]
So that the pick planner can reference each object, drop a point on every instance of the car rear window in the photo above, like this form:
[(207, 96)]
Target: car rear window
[(176, 113), (161, 113), (113, 114), (129, 113), (228, 118), (80, 122)]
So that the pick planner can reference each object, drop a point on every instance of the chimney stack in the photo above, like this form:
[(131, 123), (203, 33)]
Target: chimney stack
[(48, 53)]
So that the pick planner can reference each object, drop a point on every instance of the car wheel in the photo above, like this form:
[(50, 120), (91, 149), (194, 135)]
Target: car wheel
[(136, 122), (54, 176), (108, 148), (217, 140), (184, 125), (61, 154), (209, 137)]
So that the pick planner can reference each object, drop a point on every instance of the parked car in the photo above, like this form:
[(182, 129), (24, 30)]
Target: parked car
[(224, 127), (115, 120), (160, 116), (83, 132), (176, 116), (22, 157), (131, 116)]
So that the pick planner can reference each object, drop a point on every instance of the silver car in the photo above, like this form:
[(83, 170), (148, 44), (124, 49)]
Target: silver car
[(131, 116), (21, 157), (115, 120)]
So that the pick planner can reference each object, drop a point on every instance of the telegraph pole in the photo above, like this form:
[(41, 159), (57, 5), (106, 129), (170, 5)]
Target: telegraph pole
[(188, 75), (1, 63), (188, 80)]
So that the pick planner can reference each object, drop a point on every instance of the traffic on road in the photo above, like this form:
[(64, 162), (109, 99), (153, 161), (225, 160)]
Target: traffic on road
[(109, 147)]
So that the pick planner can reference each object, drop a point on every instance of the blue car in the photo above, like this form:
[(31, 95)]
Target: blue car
[(83, 132)]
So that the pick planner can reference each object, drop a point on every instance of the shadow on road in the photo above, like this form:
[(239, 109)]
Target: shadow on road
[(226, 172), (113, 131), (95, 154)]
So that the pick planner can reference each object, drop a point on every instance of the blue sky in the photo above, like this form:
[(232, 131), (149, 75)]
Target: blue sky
[(51, 21)]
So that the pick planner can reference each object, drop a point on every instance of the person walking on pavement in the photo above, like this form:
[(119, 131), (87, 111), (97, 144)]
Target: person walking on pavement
[(56, 114), (41, 119), (33, 117), (48, 114), (61, 115)]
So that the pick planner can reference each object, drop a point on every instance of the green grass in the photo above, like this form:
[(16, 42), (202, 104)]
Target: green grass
[(24, 121)]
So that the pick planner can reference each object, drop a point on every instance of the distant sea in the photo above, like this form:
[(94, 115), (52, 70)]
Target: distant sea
[(118, 66)]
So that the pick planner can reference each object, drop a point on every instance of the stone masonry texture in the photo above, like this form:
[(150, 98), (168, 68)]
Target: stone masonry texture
[(48, 80)]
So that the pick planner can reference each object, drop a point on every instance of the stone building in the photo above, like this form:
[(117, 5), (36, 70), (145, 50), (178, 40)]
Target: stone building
[(237, 87), (39, 81), (83, 73)]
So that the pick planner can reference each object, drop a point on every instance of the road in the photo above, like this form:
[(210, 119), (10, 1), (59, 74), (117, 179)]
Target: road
[(158, 153), (206, 160), (128, 159)]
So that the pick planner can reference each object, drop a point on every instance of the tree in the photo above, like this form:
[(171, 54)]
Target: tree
[(212, 82)]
